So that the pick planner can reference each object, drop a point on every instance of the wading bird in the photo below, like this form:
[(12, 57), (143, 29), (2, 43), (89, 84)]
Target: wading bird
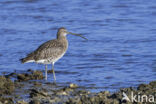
[(50, 51)]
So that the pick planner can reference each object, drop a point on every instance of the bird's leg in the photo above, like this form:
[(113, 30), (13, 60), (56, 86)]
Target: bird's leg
[(53, 71), (46, 72)]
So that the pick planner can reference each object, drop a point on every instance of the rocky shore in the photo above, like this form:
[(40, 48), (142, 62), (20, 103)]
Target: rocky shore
[(30, 88)]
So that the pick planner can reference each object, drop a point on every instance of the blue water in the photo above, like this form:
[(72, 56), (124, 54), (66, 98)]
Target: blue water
[(121, 50)]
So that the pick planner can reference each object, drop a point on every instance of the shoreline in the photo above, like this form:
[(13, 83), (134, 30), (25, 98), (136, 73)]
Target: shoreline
[(24, 89)]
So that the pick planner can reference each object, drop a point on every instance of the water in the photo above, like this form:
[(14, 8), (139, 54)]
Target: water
[(120, 52)]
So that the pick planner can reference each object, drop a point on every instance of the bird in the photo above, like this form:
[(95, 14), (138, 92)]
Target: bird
[(50, 51)]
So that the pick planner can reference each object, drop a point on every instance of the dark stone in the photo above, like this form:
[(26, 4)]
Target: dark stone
[(50, 71), (6, 85), (72, 85), (35, 75), (37, 93), (7, 100), (22, 102), (153, 84), (34, 101), (144, 87), (48, 93), (11, 75), (29, 70)]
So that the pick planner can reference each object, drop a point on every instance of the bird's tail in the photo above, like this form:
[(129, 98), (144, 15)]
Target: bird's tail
[(29, 58), (23, 60)]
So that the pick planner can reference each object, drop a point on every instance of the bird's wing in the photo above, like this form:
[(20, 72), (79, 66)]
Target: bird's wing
[(50, 49)]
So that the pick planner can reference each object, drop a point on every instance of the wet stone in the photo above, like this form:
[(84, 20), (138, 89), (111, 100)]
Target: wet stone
[(37, 93), (29, 70), (74, 101), (40, 92), (37, 84), (50, 71), (72, 85), (35, 75), (11, 75), (105, 93), (6, 85), (153, 84), (144, 87), (22, 102), (4, 100), (64, 91), (35, 101)]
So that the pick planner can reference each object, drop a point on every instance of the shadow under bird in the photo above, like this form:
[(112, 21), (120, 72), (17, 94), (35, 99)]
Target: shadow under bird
[(50, 51)]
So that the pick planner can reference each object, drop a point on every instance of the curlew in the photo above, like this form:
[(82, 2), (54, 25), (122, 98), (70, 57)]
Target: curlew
[(50, 51)]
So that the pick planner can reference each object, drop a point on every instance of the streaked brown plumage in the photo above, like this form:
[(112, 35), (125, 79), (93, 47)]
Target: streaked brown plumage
[(50, 51)]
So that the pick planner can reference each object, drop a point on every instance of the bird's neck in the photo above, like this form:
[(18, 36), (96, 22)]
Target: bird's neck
[(63, 41), (61, 38)]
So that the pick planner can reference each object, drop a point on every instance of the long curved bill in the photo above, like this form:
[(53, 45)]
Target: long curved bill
[(77, 35)]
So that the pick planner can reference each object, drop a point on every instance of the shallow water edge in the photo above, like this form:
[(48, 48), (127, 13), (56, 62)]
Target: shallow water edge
[(29, 87)]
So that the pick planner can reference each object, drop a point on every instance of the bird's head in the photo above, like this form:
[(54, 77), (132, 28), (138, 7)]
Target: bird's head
[(62, 32)]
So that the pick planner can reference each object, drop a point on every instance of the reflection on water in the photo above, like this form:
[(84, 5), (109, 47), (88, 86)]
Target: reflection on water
[(120, 52)]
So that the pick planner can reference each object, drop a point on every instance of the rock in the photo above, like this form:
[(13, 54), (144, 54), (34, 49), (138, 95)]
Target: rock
[(37, 93), (63, 91), (50, 71), (7, 100), (85, 99), (21, 102), (29, 70), (34, 101), (106, 93), (6, 85), (144, 87), (75, 101), (22, 77), (37, 84), (83, 92), (153, 84), (35, 75), (47, 93), (11, 75), (72, 85)]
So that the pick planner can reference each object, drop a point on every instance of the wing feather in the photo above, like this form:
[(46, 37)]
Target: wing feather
[(50, 49)]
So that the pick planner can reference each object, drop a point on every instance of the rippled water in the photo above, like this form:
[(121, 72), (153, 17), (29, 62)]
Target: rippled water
[(121, 50)]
